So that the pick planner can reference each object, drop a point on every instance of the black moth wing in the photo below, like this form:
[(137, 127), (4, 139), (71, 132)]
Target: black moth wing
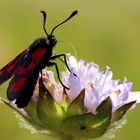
[(23, 83), (12, 67)]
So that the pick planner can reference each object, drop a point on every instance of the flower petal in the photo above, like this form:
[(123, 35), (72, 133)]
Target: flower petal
[(75, 87)]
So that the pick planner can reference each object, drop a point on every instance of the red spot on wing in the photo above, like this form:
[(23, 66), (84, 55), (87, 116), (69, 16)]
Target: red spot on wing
[(10, 68), (38, 54), (17, 86), (21, 71), (31, 66), (1, 72)]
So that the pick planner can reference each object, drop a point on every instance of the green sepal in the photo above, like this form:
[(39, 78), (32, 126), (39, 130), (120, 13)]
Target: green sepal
[(65, 101), (120, 112), (31, 111), (49, 111), (89, 125), (77, 106)]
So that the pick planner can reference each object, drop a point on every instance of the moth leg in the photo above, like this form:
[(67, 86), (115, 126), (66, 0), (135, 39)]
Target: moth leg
[(57, 71), (65, 61)]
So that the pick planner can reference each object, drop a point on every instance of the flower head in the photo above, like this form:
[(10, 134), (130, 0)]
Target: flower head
[(93, 104)]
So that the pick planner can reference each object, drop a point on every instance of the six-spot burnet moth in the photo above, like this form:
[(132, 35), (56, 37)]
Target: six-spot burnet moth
[(25, 68)]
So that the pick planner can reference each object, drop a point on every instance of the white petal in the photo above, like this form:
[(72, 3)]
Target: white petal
[(116, 102), (133, 96), (57, 95), (90, 102), (73, 64), (75, 87)]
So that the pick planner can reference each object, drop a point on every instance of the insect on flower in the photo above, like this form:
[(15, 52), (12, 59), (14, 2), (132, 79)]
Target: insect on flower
[(25, 68)]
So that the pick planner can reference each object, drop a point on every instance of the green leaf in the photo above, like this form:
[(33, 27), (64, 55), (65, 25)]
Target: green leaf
[(89, 125), (77, 106), (49, 111), (119, 113)]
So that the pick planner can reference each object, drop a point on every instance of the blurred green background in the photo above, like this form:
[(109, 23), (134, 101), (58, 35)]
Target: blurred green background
[(105, 31)]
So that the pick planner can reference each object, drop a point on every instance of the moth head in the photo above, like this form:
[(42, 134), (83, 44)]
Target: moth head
[(52, 40)]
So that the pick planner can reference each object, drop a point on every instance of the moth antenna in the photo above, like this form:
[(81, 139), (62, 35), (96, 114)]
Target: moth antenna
[(44, 21), (72, 15)]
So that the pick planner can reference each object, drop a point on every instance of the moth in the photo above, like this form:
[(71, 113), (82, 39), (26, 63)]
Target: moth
[(25, 68)]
